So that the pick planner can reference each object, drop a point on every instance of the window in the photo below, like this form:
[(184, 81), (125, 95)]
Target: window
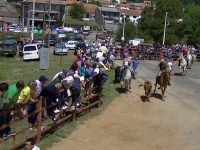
[(37, 6), (30, 48), (36, 14)]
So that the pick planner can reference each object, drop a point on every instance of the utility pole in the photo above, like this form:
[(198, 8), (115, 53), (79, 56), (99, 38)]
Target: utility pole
[(165, 26), (49, 16), (33, 17), (124, 16)]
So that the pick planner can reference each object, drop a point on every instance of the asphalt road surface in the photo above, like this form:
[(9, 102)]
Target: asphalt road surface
[(185, 88), (131, 124)]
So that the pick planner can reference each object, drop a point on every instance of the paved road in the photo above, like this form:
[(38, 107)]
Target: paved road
[(130, 124), (185, 88)]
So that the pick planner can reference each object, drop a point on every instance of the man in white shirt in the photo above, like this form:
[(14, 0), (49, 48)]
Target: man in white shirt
[(30, 145), (169, 67), (99, 54)]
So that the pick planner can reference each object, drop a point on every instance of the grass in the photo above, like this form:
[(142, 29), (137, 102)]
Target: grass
[(18, 35), (14, 69), (80, 23)]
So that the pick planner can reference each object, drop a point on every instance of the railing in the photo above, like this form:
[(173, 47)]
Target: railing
[(91, 101)]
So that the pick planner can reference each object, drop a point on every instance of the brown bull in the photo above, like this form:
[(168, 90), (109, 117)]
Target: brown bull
[(147, 89)]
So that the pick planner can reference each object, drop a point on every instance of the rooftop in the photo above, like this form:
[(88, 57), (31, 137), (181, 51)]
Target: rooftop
[(131, 12), (90, 8), (44, 1)]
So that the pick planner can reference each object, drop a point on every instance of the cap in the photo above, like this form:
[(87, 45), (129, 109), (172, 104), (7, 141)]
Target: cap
[(126, 63), (43, 78)]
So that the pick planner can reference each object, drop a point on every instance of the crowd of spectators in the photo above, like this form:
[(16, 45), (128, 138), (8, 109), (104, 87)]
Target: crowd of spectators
[(62, 92)]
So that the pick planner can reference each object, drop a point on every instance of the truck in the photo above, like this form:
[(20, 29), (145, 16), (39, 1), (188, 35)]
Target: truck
[(8, 47)]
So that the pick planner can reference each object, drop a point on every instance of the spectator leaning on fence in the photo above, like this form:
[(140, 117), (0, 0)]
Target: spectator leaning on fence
[(26, 95), (3, 89), (9, 101)]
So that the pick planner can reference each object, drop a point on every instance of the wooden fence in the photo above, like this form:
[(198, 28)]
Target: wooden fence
[(89, 102)]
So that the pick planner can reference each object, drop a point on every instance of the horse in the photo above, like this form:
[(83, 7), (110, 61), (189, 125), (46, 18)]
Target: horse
[(126, 77), (118, 70), (182, 65), (190, 60), (163, 81)]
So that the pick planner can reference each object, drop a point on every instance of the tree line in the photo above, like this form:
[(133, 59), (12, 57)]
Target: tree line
[(182, 22)]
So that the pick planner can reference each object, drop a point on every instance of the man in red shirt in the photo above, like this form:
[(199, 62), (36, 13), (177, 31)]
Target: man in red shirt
[(184, 52)]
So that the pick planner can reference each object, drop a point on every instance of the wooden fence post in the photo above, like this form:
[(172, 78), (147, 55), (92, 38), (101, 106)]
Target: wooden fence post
[(39, 120)]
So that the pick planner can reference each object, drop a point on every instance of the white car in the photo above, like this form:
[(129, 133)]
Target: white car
[(17, 31), (71, 45), (31, 51), (68, 29)]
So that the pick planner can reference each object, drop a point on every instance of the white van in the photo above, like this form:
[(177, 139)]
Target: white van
[(31, 51)]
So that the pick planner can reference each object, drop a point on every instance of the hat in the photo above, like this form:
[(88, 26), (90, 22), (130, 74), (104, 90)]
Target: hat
[(126, 63), (76, 76), (43, 78)]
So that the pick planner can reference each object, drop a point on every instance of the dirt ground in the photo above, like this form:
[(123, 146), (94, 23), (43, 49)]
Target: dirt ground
[(130, 124)]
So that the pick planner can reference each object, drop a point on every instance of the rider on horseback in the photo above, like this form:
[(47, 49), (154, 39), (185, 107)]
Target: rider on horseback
[(162, 67)]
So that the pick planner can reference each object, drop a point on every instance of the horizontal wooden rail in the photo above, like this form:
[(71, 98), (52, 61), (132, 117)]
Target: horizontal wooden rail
[(93, 100)]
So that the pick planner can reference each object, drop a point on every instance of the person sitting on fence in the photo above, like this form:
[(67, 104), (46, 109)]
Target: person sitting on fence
[(9, 101), (30, 145), (28, 93), (3, 89)]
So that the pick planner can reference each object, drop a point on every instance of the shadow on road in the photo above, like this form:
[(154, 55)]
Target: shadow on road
[(120, 90), (157, 96), (177, 74), (144, 99), (116, 81)]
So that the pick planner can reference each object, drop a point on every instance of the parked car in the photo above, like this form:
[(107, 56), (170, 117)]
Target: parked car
[(77, 31), (71, 45), (60, 29), (81, 45), (31, 51), (8, 47), (68, 29), (52, 40), (63, 40), (85, 32), (60, 48)]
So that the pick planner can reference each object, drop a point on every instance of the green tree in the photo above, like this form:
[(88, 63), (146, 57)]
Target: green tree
[(77, 11), (129, 31), (151, 25)]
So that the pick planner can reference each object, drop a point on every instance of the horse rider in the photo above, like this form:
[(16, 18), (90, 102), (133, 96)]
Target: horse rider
[(169, 68), (126, 64), (162, 67)]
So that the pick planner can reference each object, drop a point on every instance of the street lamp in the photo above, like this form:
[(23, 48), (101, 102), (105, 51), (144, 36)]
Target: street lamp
[(124, 16), (165, 26), (23, 15), (33, 17)]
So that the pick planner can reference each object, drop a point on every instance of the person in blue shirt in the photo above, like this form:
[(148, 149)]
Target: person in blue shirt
[(135, 64)]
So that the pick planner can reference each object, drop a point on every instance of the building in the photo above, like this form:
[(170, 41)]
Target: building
[(42, 9), (110, 15), (9, 13), (89, 11)]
